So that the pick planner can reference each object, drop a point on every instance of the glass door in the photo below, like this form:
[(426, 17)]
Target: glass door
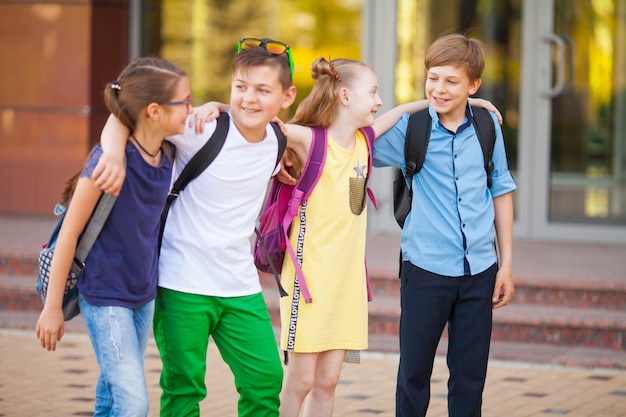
[(573, 121)]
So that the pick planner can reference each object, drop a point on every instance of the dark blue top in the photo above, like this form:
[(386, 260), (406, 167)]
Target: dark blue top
[(121, 268)]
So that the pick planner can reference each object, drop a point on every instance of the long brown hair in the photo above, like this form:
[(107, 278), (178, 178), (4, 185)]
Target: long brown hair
[(144, 81)]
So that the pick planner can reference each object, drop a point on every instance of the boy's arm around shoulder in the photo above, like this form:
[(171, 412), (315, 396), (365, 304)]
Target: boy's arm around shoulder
[(110, 171)]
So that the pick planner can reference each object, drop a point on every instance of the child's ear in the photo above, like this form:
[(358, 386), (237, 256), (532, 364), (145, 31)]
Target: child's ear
[(474, 85), (152, 111), (290, 97), (343, 96)]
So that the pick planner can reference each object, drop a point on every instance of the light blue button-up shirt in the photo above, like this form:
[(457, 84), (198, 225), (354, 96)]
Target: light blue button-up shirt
[(450, 225)]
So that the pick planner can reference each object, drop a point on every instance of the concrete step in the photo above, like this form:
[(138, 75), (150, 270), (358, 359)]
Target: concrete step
[(556, 291), (553, 292), (550, 317), (557, 326), (17, 293)]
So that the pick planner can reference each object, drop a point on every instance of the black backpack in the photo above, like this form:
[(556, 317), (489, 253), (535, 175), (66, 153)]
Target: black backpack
[(203, 158), (415, 146)]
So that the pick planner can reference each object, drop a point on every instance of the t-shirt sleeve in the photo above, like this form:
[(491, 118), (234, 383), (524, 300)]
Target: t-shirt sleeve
[(389, 147)]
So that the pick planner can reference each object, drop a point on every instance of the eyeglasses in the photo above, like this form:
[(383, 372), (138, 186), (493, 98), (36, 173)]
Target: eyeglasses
[(187, 103), (273, 47)]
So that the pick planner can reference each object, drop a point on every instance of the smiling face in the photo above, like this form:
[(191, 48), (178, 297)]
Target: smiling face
[(256, 97), (176, 114), (447, 88), (363, 98)]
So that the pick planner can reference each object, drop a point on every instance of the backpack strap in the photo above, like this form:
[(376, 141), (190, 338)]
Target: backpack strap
[(486, 132), (196, 165), (370, 137), (282, 142), (311, 174), (415, 146), (99, 217), (274, 190), (416, 142)]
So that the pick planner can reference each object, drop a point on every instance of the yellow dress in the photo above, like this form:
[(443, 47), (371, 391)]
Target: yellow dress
[(333, 224)]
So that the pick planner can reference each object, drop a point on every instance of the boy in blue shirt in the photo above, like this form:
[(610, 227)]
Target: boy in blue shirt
[(450, 271)]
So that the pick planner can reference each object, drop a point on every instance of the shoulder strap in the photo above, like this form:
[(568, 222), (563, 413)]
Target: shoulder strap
[(100, 215), (282, 142), (301, 191), (198, 163), (416, 141), (370, 137), (314, 164), (486, 132), (203, 158)]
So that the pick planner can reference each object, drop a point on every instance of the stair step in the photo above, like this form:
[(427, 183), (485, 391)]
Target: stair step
[(591, 294), (521, 321), (562, 326), (17, 293), (611, 296), (607, 296), (18, 264)]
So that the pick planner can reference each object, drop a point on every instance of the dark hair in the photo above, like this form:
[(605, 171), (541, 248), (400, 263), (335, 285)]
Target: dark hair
[(319, 107), (143, 81), (257, 57), (457, 50)]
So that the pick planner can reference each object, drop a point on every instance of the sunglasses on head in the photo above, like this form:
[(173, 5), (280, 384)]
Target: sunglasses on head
[(273, 47)]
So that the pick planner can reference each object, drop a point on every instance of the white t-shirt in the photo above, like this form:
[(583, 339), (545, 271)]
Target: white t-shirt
[(206, 243)]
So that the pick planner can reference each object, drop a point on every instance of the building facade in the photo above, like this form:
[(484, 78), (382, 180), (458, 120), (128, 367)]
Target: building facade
[(555, 68)]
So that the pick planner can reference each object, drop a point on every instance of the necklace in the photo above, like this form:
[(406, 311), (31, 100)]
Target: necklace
[(154, 155)]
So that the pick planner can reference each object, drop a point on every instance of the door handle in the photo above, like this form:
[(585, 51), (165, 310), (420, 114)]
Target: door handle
[(559, 86)]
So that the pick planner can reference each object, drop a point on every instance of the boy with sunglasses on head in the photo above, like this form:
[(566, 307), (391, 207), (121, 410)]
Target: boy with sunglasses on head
[(208, 284), (318, 336)]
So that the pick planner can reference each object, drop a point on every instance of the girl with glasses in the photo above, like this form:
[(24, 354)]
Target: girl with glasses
[(118, 286)]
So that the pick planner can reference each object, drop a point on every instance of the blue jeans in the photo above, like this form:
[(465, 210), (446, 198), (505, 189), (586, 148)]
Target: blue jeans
[(119, 337)]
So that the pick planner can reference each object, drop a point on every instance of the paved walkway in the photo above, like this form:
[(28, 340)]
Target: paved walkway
[(34, 383)]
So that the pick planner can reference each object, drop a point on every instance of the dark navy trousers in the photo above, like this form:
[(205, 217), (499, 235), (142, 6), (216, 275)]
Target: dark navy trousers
[(428, 302)]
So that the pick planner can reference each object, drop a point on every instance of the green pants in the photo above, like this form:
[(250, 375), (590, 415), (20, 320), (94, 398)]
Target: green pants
[(242, 331)]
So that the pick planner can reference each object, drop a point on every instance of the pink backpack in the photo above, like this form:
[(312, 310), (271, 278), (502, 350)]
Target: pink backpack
[(282, 206)]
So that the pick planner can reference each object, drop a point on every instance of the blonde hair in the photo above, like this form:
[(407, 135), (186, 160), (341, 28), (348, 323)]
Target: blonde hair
[(319, 107)]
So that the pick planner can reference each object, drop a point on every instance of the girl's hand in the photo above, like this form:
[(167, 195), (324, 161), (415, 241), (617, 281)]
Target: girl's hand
[(205, 113), (50, 328), (486, 104), (109, 173), (281, 125), (290, 168)]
